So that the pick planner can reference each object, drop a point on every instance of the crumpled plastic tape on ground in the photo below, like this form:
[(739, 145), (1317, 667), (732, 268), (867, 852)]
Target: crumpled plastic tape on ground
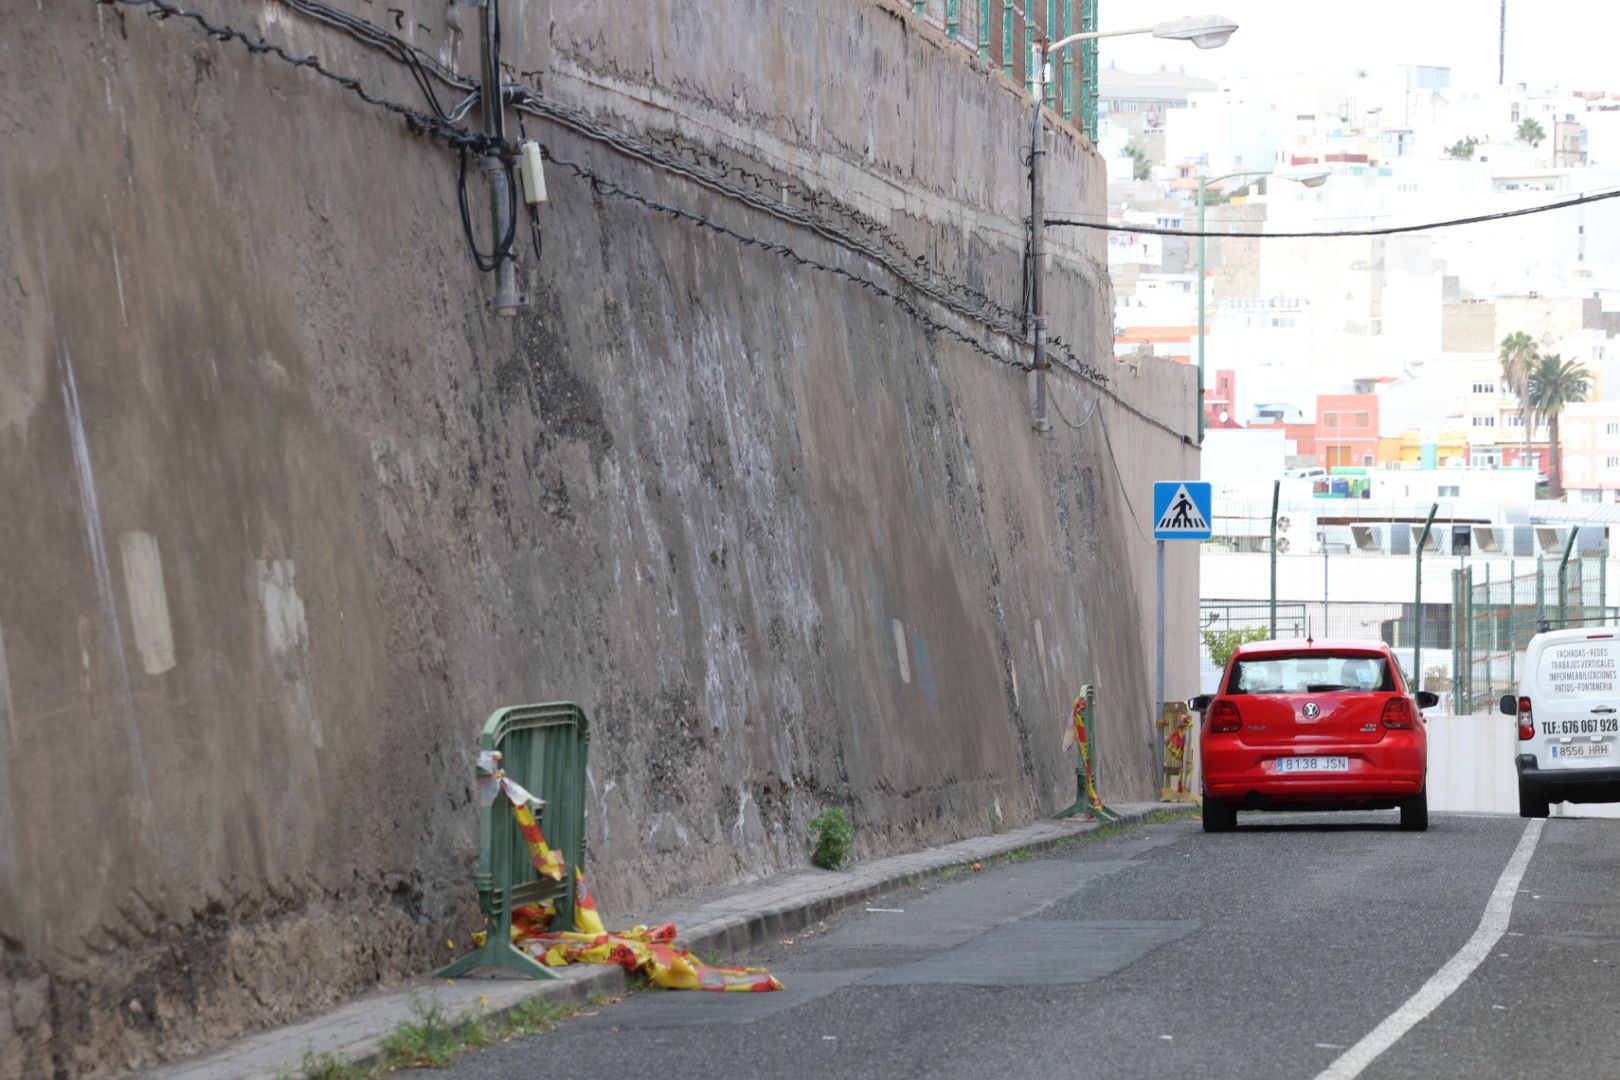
[(649, 951)]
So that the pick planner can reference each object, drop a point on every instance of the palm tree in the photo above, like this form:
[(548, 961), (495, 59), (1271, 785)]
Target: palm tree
[(1518, 355), (1531, 131), (1141, 164), (1554, 383)]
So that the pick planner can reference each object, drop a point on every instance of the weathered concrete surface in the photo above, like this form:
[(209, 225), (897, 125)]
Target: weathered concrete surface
[(288, 511)]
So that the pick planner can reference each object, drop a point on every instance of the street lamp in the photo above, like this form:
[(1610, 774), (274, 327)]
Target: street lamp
[(1204, 31), (1309, 175)]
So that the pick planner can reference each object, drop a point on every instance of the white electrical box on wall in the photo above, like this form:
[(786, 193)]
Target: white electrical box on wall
[(532, 169)]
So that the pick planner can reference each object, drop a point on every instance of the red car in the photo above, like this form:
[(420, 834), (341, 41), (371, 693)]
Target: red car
[(1313, 725)]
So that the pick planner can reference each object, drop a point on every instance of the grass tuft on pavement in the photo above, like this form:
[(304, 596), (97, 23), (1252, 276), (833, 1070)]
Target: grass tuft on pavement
[(435, 1039)]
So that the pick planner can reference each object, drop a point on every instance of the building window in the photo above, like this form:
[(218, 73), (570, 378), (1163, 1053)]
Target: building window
[(1484, 421), (1330, 419), (1611, 429), (1514, 420), (1450, 491), (1484, 388), (1363, 419), (1611, 462)]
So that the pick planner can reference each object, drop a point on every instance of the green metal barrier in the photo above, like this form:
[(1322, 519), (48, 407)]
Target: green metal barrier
[(543, 749)]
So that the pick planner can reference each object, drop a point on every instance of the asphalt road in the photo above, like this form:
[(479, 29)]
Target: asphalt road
[(1268, 952)]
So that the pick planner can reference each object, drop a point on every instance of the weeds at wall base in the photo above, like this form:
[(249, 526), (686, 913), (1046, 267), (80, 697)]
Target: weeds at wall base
[(435, 1039)]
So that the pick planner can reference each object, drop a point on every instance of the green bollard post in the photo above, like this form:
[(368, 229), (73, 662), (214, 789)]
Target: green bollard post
[(1086, 801)]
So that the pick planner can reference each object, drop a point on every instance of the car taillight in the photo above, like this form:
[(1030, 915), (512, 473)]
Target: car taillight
[(1224, 717), (1527, 723), (1398, 713)]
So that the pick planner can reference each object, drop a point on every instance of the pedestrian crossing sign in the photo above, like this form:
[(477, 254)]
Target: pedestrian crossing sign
[(1181, 510)]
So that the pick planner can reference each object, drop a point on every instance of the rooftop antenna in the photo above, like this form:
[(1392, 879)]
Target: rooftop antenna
[(1501, 47)]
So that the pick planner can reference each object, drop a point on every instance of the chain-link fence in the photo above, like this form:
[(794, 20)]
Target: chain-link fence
[(1497, 618), (1455, 595)]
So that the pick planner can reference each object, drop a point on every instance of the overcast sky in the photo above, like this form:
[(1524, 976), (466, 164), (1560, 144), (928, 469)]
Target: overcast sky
[(1571, 43)]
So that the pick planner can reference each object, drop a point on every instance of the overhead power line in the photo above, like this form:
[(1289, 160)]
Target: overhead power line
[(1388, 230)]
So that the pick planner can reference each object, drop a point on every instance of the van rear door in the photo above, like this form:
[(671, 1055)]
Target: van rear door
[(1575, 705)]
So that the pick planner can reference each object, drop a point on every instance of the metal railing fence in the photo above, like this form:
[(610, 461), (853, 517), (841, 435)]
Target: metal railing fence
[(1000, 32)]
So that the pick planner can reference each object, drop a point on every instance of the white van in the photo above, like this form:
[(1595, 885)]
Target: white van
[(1568, 708)]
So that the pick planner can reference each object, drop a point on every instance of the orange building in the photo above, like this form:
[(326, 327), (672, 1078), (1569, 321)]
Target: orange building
[(1346, 429)]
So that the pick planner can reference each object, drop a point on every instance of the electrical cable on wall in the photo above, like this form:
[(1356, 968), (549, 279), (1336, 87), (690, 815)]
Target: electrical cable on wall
[(503, 247), (419, 122), (425, 65), (372, 35), (1064, 417), (953, 295)]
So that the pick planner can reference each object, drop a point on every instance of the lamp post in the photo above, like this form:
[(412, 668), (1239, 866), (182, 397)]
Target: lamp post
[(1204, 31), (1309, 175)]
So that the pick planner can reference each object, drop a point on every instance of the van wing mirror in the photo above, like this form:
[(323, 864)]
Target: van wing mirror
[(1201, 702), (1427, 699), (1510, 705)]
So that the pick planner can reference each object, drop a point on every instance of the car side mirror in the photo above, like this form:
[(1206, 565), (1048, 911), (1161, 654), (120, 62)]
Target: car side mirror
[(1510, 705), (1427, 699), (1201, 702)]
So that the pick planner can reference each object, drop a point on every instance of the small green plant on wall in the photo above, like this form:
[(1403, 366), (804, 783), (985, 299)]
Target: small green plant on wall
[(830, 836)]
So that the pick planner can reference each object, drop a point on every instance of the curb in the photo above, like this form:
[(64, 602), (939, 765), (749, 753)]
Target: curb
[(578, 985), (742, 933), (736, 934)]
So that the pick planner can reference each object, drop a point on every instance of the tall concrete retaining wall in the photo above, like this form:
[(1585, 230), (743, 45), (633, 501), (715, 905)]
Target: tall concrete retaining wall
[(288, 511)]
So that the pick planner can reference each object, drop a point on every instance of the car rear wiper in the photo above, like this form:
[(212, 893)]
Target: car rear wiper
[(1323, 688)]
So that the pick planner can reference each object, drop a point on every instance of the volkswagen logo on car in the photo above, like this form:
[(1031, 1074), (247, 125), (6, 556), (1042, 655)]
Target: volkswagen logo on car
[(1311, 711)]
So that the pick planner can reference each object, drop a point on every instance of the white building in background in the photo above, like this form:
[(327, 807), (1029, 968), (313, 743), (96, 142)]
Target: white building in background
[(1134, 103), (1266, 344), (1147, 252), (1160, 300), (1239, 126), (1428, 400), (1590, 437), (1474, 487), (1491, 414), (1242, 463), (1602, 133)]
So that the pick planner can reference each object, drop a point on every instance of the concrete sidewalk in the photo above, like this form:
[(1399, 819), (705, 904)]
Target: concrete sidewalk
[(724, 922)]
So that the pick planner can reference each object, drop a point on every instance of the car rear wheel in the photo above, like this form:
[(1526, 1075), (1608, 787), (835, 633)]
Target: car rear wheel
[(1531, 806), (1415, 812), (1219, 816)]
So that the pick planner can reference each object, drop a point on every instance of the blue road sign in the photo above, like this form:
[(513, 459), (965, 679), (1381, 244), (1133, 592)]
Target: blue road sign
[(1181, 510)]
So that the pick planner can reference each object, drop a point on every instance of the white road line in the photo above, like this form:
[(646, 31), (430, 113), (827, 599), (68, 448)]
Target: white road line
[(1443, 983)]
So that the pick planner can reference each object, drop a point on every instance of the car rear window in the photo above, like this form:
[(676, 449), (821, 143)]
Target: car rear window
[(1311, 673)]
